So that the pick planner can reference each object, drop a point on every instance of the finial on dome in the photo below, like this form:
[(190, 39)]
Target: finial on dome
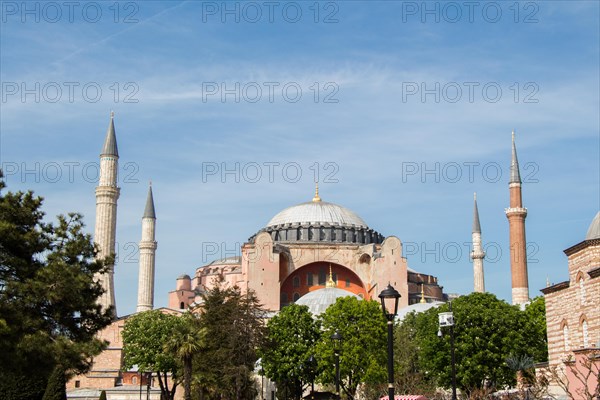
[(112, 114), (423, 293), (316, 199), (547, 281), (330, 281)]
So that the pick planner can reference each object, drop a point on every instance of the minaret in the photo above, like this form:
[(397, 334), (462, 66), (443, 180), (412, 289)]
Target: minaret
[(147, 256), (107, 193), (477, 254), (516, 224)]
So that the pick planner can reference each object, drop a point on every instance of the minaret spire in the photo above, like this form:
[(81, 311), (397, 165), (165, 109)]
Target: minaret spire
[(107, 194), (423, 293), (330, 282), (148, 247), (316, 199), (477, 255), (516, 215)]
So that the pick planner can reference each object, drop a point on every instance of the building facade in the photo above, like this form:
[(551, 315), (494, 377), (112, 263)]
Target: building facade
[(298, 248), (573, 317)]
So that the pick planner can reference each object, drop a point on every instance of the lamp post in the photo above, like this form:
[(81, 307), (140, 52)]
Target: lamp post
[(311, 365), (447, 319), (389, 305), (337, 339)]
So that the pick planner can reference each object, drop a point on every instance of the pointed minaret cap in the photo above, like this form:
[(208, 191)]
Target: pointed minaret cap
[(110, 143), (316, 199), (476, 225), (515, 176), (149, 210)]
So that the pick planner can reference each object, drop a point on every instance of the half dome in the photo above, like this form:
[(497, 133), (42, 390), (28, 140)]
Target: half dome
[(313, 212), (318, 300)]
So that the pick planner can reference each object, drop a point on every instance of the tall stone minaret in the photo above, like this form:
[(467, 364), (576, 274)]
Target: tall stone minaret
[(477, 254), (107, 193), (516, 224), (147, 257)]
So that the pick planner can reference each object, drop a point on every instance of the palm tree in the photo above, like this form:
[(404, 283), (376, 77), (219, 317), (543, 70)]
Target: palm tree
[(187, 341)]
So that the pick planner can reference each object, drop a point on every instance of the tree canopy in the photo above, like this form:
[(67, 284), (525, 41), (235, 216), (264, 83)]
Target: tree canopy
[(488, 331), (48, 296), (144, 338), (363, 346), (291, 338), (234, 328)]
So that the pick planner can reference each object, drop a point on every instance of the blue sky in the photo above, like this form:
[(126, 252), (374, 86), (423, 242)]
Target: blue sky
[(403, 88)]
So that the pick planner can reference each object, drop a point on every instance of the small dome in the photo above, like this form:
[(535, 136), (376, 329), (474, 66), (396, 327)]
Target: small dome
[(594, 229), (318, 300), (184, 276), (227, 261), (317, 211), (418, 308)]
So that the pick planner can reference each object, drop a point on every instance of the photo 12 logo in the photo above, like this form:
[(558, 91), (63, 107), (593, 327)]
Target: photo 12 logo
[(471, 92), (467, 171), (66, 171), (254, 92), (470, 11), (69, 11), (268, 171), (252, 12), (71, 92)]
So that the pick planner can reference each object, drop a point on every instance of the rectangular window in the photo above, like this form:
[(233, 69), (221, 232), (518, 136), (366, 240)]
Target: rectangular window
[(309, 279), (77, 384), (347, 282), (322, 276), (296, 281)]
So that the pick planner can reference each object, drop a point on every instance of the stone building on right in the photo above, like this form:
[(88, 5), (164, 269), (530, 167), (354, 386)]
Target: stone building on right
[(573, 320)]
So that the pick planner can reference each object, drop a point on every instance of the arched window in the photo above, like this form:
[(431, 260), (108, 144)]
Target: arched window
[(581, 290), (284, 298), (566, 337), (584, 331), (296, 297), (296, 281), (181, 305), (134, 380)]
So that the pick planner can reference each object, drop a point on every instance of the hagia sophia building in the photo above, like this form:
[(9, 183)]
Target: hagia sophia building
[(310, 253)]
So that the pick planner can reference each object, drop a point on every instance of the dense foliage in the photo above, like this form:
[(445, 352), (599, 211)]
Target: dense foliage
[(144, 338), (234, 329), (363, 346), (487, 332), (291, 338), (48, 309)]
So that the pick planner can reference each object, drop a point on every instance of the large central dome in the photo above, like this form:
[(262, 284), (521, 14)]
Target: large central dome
[(317, 212), (319, 221)]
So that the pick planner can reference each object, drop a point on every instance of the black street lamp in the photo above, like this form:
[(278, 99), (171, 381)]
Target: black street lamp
[(447, 319), (337, 340), (389, 304)]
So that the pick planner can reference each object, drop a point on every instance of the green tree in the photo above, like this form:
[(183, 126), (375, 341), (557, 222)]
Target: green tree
[(363, 355), (144, 338), (234, 328), (409, 377), (487, 332), (56, 387), (291, 338), (48, 295), (102, 395), (535, 315), (186, 341)]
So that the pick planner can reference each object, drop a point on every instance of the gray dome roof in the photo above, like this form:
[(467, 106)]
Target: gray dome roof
[(418, 308), (594, 229), (317, 211), (318, 300)]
